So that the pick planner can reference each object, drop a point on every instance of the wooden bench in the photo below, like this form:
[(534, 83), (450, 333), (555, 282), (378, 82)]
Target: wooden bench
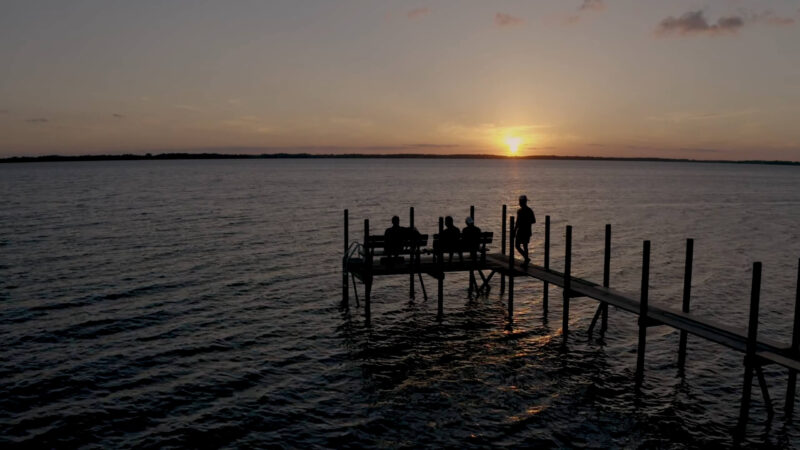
[(462, 247), (376, 246)]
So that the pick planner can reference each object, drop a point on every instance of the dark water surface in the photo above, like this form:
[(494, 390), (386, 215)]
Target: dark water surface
[(197, 303)]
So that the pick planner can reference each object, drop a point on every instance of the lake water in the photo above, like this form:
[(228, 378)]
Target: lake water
[(197, 303)]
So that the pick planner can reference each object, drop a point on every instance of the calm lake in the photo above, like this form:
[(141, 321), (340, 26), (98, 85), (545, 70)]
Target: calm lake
[(197, 303)]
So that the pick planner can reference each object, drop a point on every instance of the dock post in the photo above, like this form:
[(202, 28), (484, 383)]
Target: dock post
[(546, 287), (643, 303), (411, 293), (345, 283), (790, 388), (687, 295), (367, 275), (750, 355), (606, 278), (440, 280), (567, 285), (602, 308), (503, 248), (472, 281), (511, 272)]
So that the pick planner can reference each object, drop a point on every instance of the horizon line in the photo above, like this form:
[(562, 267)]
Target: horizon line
[(210, 155)]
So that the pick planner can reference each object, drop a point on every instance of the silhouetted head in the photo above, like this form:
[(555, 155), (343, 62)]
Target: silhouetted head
[(395, 221), (523, 200), (470, 221), (448, 221)]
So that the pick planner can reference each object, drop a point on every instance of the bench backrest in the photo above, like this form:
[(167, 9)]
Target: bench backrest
[(485, 239), (379, 241)]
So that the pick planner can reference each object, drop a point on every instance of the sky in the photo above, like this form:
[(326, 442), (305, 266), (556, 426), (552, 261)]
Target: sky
[(712, 79)]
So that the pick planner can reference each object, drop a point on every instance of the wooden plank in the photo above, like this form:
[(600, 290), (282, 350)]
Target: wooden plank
[(779, 359)]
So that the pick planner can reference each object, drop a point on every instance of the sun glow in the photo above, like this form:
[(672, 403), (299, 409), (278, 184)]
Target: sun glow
[(513, 143)]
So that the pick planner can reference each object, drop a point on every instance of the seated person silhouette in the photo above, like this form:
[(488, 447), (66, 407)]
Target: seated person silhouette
[(393, 239), (450, 238), (471, 238)]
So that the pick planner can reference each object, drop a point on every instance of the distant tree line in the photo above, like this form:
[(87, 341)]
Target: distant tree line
[(178, 156)]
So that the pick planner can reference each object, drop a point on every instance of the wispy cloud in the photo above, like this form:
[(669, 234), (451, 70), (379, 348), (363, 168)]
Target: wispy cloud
[(693, 116), (592, 5), (188, 108), (695, 23), (507, 20), (37, 120), (117, 116), (586, 7), (418, 12), (769, 17)]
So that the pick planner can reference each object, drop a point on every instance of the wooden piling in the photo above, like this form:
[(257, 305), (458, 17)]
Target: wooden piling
[(503, 248), (472, 282), (440, 285), (602, 308), (546, 286), (643, 303), (687, 295), (368, 275), (345, 282), (511, 271), (606, 277), (567, 285), (750, 355), (792, 386), (413, 257)]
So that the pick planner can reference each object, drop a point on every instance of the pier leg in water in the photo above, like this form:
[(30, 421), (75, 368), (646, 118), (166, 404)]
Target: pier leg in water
[(411, 292), (606, 279), (345, 287), (367, 276), (503, 248), (511, 274), (546, 287), (473, 283), (643, 315), (750, 356), (567, 286), (602, 308), (791, 387), (367, 303), (687, 295), (440, 280)]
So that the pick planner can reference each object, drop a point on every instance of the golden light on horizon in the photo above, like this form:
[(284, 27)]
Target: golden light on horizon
[(514, 143)]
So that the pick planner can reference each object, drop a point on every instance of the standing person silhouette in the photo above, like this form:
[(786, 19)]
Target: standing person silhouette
[(522, 228)]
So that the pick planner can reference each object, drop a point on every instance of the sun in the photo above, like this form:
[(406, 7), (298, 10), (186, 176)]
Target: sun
[(513, 143)]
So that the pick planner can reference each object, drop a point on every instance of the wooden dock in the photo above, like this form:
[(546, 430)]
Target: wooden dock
[(758, 352)]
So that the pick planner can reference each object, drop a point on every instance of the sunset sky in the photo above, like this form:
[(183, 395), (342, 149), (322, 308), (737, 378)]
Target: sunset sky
[(713, 79)]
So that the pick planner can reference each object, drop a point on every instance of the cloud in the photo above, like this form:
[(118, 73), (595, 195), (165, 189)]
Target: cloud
[(586, 7), (592, 5), (117, 116), (418, 12), (507, 20), (695, 23), (768, 17), (37, 120)]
